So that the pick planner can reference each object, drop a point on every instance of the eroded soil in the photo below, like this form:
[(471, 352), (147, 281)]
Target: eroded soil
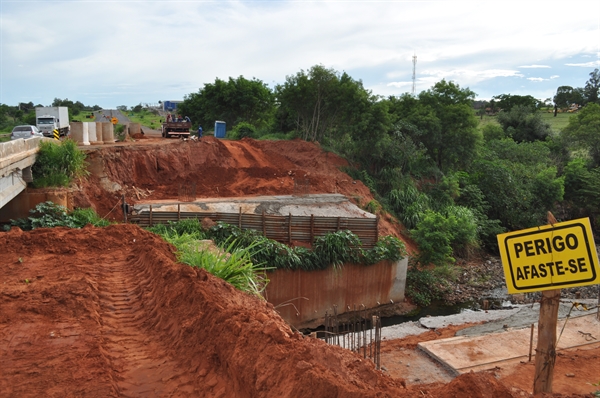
[(219, 168), (107, 312)]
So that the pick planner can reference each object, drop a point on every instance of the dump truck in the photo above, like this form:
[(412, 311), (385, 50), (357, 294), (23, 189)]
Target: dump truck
[(176, 129), (50, 118)]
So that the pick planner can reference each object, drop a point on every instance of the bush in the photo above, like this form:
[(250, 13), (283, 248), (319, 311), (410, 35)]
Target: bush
[(424, 286), (434, 237), (387, 248), (49, 215), (57, 165), (441, 234), (337, 248), (332, 249), (409, 204), (242, 130)]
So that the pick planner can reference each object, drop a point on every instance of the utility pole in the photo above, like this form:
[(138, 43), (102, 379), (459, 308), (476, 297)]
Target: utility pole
[(414, 76)]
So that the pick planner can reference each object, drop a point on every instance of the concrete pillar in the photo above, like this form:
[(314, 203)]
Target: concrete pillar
[(108, 135), (85, 140), (135, 128), (92, 131), (77, 132), (98, 134)]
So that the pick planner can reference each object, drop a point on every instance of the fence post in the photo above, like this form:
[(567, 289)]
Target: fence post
[(312, 228), (290, 228), (150, 215)]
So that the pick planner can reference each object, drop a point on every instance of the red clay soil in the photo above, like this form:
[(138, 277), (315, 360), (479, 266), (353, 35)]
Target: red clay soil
[(219, 168), (107, 312)]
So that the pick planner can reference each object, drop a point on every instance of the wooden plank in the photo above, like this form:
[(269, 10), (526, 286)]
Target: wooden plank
[(545, 353)]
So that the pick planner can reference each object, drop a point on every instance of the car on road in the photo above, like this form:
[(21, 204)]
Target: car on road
[(25, 132)]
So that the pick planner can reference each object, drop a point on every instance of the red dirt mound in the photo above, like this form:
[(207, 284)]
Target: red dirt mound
[(219, 168), (107, 312)]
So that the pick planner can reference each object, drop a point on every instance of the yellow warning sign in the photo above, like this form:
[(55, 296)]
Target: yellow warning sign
[(114, 120), (550, 257)]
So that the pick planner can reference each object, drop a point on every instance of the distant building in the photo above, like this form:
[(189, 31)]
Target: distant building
[(170, 105)]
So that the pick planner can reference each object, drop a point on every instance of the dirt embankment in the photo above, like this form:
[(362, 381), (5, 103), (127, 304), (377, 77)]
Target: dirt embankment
[(107, 312), (219, 168)]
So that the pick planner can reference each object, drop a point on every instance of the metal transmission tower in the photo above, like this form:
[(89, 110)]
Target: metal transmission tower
[(414, 86)]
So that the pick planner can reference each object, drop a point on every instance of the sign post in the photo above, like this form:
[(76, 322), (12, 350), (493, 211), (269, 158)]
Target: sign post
[(548, 258)]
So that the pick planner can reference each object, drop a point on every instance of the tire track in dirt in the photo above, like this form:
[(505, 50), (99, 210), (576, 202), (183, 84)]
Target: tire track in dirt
[(141, 363)]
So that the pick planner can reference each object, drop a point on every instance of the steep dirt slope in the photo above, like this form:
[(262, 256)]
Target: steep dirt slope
[(219, 168), (107, 312)]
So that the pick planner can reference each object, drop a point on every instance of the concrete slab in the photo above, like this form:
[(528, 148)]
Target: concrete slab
[(326, 205), (462, 354)]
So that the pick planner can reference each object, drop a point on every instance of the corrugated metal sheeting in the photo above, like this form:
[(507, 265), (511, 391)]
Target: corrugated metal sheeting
[(280, 228)]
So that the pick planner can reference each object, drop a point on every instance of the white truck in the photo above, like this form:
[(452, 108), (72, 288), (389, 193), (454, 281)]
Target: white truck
[(50, 118)]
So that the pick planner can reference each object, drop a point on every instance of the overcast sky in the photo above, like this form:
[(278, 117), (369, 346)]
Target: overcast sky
[(126, 52)]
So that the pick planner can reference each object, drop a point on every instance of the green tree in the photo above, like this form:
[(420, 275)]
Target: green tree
[(233, 101), (592, 87), (451, 130), (492, 132), (519, 182), (523, 123), (567, 95), (582, 191), (507, 101), (583, 132)]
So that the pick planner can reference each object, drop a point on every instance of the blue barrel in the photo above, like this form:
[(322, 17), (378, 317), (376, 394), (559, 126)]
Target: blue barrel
[(220, 129)]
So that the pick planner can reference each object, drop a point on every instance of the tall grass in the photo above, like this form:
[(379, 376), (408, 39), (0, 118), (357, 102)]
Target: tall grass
[(233, 264), (58, 164)]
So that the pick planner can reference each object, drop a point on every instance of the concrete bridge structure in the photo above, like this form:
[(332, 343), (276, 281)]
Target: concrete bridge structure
[(16, 158)]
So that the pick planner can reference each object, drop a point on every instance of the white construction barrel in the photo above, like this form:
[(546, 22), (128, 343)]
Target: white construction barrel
[(85, 140), (92, 131)]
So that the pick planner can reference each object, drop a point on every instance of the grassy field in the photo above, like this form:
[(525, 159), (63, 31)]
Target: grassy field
[(83, 117), (145, 118), (557, 124)]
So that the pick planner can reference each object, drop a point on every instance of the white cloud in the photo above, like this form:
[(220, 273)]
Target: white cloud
[(469, 76), (536, 79), (590, 64), (534, 66), (400, 84), (167, 49), (554, 77)]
